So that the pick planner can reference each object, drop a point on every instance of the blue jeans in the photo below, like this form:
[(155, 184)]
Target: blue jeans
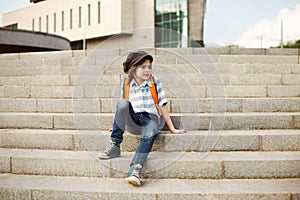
[(144, 124)]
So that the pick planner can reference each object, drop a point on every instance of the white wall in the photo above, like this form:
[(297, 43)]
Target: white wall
[(111, 18), (129, 22)]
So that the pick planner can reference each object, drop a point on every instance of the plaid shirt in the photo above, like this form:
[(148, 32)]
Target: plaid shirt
[(141, 97)]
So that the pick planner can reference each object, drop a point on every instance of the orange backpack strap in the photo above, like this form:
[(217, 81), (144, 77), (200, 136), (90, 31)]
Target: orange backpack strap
[(153, 90), (154, 95), (126, 88)]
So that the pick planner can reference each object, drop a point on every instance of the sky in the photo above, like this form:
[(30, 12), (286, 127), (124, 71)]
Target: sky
[(246, 23), (251, 23)]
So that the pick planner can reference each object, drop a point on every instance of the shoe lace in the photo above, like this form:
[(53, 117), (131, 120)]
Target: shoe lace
[(110, 146), (136, 170)]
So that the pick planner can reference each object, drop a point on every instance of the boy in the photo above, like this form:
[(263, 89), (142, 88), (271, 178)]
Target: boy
[(137, 112)]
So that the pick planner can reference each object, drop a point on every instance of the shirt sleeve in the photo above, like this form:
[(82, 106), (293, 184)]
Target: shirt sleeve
[(160, 92)]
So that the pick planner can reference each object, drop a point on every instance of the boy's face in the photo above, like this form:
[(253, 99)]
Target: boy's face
[(144, 70)]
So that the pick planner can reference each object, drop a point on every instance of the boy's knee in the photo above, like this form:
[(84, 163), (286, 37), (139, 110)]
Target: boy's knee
[(149, 136), (123, 104)]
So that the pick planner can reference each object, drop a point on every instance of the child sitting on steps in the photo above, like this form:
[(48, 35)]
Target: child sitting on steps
[(142, 102)]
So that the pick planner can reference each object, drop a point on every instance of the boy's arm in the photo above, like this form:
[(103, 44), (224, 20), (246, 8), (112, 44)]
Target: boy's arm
[(166, 116)]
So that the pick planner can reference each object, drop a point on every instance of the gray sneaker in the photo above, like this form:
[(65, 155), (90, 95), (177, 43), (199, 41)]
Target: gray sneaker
[(133, 176), (112, 151)]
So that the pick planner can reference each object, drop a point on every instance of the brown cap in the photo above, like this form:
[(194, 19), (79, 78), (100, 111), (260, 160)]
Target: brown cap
[(135, 58)]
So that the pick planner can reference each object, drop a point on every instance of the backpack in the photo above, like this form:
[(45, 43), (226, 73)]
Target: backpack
[(153, 91)]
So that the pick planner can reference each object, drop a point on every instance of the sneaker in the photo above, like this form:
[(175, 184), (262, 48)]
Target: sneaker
[(133, 176), (111, 151)]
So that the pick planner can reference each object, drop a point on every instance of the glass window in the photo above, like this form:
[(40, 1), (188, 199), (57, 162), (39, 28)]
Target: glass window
[(171, 16), (54, 22), (71, 18), (89, 14), (166, 16), (47, 23), (159, 2), (32, 24), (12, 26), (99, 12), (77, 45), (158, 17), (62, 20), (79, 21), (40, 24)]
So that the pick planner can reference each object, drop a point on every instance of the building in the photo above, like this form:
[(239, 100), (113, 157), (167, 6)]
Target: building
[(86, 23)]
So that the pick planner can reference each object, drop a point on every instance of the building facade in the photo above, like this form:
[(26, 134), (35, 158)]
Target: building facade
[(115, 23)]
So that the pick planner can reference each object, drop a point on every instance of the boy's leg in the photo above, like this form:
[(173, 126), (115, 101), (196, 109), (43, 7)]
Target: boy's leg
[(149, 132), (124, 110)]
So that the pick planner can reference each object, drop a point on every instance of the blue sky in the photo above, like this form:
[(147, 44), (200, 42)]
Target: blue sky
[(249, 23), (227, 20), (11, 5)]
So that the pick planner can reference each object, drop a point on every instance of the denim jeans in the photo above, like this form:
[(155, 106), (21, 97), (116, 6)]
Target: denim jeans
[(144, 124)]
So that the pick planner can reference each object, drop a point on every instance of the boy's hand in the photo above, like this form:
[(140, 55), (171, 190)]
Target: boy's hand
[(178, 131)]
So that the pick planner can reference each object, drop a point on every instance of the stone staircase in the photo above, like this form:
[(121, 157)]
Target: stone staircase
[(241, 108)]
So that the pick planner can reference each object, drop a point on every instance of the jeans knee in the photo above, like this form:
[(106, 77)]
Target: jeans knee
[(149, 136), (123, 104)]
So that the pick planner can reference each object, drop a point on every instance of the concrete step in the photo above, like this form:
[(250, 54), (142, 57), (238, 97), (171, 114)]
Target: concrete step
[(168, 80), (189, 121), (156, 51), (51, 187), (227, 51), (109, 61), (174, 91), (88, 67), (42, 55), (161, 56), (197, 141), (41, 187), (108, 105), (166, 165)]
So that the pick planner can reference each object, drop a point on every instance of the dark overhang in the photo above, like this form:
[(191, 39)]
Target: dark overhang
[(16, 40), (35, 1)]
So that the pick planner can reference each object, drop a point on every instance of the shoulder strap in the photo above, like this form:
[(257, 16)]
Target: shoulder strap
[(153, 90), (154, 96), (126, 88)]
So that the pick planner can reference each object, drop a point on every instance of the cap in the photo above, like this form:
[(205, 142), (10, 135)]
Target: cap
[(135, 58)]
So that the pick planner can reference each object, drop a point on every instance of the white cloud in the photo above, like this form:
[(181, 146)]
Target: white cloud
[(267, 32)]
